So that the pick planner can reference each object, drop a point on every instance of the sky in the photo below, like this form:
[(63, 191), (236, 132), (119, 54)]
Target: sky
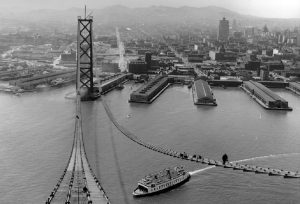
[(262, 8)]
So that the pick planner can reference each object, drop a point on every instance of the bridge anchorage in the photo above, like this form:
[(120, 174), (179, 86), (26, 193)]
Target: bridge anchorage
[(85, 63)]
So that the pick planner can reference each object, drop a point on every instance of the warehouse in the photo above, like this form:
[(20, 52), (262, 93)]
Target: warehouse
[(295, 87), (202, 93), (148, 92), (267, 98)]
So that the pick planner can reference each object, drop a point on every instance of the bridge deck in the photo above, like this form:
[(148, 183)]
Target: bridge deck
[(78, 184)]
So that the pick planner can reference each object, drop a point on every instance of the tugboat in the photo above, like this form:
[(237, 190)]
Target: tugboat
[(162, 181)]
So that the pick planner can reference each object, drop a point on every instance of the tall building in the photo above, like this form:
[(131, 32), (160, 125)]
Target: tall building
[(148, 60), (138, 66), (223, 30)]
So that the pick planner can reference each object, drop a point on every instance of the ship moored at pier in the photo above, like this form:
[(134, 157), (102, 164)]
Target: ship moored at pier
[(162, 181)]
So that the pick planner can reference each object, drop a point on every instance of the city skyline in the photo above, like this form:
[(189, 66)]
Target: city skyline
[(266, 8)]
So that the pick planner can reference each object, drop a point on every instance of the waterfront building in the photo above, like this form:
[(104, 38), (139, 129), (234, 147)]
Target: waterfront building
[(266, 97), (294, 86), (148, 92), (202, 93)]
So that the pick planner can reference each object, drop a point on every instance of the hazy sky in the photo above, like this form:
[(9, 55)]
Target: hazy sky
[(264, 8)]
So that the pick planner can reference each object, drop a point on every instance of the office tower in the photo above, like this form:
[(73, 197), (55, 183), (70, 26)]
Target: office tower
[(223, 30)]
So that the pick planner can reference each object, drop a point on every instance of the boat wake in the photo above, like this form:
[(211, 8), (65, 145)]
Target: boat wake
[(245, 160)]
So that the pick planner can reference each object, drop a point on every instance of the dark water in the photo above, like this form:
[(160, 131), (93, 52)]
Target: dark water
[(36, 135)]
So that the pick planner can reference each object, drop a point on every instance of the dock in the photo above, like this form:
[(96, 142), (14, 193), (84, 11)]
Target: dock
[(110, 83), (32, 82), (202, 93), (265, 97), (150, 91), (294, 87)]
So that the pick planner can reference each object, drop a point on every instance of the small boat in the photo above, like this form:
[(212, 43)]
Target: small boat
[(190, 85), (162, 181)]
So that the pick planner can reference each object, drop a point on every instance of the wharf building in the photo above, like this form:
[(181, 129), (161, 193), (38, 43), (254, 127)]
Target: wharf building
[(111, 82), (295, 87), (150, 91), (265, 97), (223, 33), (202, 93), (32, 82)]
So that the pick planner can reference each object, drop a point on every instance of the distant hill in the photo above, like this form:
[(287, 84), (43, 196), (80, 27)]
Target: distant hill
[(121, 15)]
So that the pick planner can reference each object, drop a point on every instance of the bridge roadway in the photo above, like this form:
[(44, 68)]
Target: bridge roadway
[(198, 158), (78, 183)]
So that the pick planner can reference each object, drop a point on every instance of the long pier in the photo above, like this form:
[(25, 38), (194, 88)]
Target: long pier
[(265, 97), (78, 183), (198, 158)]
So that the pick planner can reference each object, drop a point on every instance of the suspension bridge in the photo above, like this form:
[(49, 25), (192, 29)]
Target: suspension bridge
[(78, 183)]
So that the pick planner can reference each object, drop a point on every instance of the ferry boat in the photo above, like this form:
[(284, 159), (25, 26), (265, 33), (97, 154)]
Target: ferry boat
[(162, 181)]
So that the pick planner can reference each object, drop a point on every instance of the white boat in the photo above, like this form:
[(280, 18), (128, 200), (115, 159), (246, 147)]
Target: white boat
[(162, 181)]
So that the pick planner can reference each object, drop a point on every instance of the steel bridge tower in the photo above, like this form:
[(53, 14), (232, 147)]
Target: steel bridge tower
[(85, 60)]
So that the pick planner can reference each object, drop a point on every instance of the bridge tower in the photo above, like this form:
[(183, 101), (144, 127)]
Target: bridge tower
[(85, 63)]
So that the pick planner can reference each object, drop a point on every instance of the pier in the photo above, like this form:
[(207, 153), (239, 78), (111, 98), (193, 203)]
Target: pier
[(265, 97), (32, 82), (202, 94), (294, 87), (150, 91), (110, 83)]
